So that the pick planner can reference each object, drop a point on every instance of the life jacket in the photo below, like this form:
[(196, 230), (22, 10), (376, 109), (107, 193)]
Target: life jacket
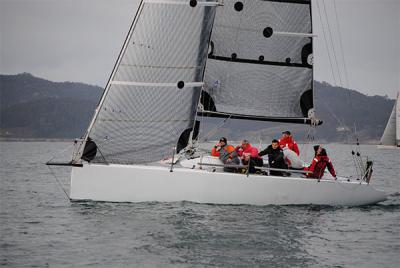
[(214, 152), (318, 166), (248, 149), (289, 143), (227, 152)]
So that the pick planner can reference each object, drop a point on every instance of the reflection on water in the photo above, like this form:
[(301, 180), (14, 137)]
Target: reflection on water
[(40, 228)]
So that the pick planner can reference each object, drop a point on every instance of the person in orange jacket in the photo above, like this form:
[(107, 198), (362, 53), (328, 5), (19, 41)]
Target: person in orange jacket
[(225, 152), (287, 141), (318, 165)]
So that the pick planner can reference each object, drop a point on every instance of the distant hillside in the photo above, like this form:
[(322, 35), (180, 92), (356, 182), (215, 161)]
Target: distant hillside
[(341, 108), (32, 107)]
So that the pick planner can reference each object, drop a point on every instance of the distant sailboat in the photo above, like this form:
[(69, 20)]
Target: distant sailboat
[(391, 135)]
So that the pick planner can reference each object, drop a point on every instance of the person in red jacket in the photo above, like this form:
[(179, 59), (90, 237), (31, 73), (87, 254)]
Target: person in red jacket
[(318, 165), (288, 141), (249, 153)]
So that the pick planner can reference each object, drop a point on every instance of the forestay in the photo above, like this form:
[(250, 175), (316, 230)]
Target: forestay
[(151, 98), (260, 60)]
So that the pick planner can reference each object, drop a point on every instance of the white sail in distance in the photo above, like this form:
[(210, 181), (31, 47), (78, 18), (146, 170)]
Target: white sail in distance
[(391, 134)]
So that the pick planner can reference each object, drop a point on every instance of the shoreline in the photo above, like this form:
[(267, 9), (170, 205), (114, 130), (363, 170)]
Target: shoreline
[(35, 140), (2, 139)]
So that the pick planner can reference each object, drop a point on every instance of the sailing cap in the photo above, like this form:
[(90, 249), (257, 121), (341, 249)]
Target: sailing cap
[(287, 132)]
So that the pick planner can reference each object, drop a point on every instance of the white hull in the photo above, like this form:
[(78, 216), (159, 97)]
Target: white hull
[(122, 183)]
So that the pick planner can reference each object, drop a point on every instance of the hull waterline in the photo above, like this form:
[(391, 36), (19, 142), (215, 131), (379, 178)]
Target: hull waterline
[(121, 183)]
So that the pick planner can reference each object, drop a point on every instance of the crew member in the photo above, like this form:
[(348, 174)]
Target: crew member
[(318, 165), (247, 153), (227, 153), (287, 141), (275, 158)]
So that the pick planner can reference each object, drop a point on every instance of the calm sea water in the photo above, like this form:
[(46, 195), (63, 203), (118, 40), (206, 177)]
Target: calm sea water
[(41, 228)]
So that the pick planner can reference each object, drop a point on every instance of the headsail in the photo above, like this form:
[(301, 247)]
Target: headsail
[(151, 97), (260, 61), (391, 135)]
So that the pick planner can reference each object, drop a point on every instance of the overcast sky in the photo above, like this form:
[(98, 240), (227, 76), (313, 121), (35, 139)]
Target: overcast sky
[(79, 40)]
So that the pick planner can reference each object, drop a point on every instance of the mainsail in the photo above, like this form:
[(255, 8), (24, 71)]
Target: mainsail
[(150, 101), (391, 135), (260, 61)]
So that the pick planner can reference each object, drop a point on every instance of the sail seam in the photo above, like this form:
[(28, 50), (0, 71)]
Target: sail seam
[(180, 2), (146, 84), (143, 120), (294, 34), (160, 67)]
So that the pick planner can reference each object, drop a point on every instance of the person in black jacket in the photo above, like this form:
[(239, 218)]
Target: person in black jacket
[(275, 158)]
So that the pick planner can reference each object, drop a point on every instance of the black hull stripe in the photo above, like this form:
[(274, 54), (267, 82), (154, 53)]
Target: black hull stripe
[(275, 63), (306, 121)]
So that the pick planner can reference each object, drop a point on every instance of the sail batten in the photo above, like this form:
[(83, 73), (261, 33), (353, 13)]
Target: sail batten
[(292, 120), (260, 62), (149, 84)]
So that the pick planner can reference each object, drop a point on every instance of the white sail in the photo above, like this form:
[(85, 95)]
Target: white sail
[(391, 134), (398, 120), (260, 60), (151, 98)]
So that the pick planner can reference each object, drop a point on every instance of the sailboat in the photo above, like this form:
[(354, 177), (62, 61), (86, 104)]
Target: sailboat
[(391, 134), (184, 60)]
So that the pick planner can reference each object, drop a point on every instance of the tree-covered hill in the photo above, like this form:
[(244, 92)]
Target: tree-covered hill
[(32, 107)]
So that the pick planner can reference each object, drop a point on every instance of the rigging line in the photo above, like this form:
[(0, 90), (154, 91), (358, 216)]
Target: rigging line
[(333, 45), (59, 184), (358, 149), (326, 42), (344, 61), (307, 138), (215, 129), (330, 60), (346, 78), (354, 157), (61, 152)]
